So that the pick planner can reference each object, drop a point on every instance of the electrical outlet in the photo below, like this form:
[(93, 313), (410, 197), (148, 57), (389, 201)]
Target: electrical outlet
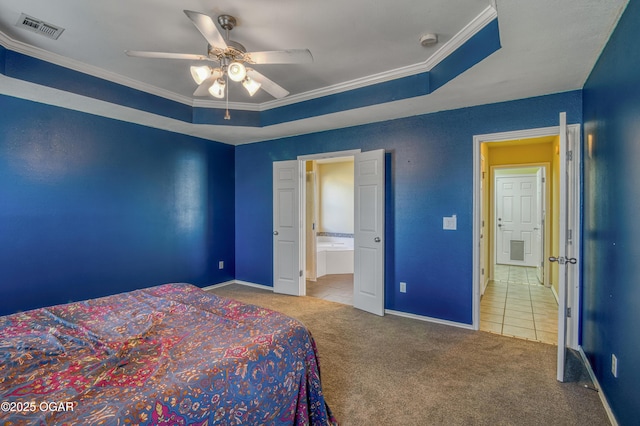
[(221, 264), (403, 287), (614, 365)]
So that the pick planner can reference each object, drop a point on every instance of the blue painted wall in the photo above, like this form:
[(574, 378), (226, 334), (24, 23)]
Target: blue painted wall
[(429, 175), (23, 67), (91, 206), (611, 253)]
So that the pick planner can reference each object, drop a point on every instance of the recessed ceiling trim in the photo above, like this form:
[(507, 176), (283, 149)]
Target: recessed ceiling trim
[(460, 38), (242, 106), (479, 22), (38, 53), (485, 17)]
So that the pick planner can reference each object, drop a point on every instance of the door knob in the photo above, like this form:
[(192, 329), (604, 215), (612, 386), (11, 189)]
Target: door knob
[(376, 239), (275, 232), (562, 260)]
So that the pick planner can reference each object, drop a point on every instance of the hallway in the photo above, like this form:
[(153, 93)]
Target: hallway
[(516, 305)]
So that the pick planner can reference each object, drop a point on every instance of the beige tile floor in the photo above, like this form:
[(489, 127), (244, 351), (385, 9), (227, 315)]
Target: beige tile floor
[(515, 304), (336, 288)]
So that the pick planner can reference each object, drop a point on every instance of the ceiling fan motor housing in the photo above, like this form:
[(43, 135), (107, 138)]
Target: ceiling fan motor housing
[(227, 22)]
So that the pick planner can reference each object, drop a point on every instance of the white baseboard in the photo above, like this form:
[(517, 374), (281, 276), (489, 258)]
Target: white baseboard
[(245, 283), (553, 290), (428, 319), (226, 283), (387, 311), (603, 398), (250, 284), (485, 285)]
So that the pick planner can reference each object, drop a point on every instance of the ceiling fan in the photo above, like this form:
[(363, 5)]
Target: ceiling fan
[(232, 59)]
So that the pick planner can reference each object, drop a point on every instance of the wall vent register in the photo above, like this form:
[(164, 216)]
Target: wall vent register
[(39, 26)]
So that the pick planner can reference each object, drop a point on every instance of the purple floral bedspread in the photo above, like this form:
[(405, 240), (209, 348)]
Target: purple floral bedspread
[(167, 355)]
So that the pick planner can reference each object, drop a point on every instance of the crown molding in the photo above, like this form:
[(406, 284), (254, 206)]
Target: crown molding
[(243, 106), (479, 22), (63, 61), (461, 37), (472, 28)]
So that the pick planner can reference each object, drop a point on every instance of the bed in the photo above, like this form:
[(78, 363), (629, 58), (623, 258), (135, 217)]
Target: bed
[(167, 355)]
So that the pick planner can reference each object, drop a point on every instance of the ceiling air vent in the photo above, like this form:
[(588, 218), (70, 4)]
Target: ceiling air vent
[(38, 26)]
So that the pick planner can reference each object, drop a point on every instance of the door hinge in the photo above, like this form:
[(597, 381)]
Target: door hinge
[(544, 180), (570, 234), (482, 271), (301, 273), (569, 155), (568, 312)]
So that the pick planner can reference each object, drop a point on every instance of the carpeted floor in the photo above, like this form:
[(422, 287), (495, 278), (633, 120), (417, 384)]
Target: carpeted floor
[(398, 371)]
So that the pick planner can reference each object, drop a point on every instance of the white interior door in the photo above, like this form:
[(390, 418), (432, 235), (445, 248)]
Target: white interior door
[(540, 222), (368, 292), (516, 213), (564, 258), (287, 275)]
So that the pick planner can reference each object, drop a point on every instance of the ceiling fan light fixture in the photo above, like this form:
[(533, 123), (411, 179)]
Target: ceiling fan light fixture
[(217, 89), (236, 71), (200, 73), (251, 85)]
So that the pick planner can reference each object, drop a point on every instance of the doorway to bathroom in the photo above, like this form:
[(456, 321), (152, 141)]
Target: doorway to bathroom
[(329, 228), (289, 219)]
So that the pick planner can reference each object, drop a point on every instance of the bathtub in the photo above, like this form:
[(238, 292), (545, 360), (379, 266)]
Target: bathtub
[(334, 255)]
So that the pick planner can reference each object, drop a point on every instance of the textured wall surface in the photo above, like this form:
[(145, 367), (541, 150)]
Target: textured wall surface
[(429, 175), (611, 270), (91, 206)]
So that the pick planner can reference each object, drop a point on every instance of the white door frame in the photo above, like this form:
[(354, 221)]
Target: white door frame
[(302, 159), (379, 310), (483, 273), (573, 294)]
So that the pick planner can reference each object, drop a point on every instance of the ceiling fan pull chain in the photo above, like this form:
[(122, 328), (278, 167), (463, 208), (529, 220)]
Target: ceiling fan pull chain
[(226, 115)]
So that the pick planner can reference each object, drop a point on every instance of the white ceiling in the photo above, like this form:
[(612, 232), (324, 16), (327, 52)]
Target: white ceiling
[(548, 46)]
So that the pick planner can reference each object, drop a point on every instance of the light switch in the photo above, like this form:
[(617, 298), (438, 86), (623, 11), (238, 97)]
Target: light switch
[(450, 223)]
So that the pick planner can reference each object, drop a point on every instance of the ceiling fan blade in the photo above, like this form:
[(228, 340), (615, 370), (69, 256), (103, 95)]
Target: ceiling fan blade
[(207, 28), (269, 86), (292, 56), (164, 55), (203, 88)]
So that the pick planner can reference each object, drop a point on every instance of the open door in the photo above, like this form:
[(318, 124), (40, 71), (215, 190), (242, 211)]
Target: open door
[(287, 275), (565, 258), (368, 292)]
